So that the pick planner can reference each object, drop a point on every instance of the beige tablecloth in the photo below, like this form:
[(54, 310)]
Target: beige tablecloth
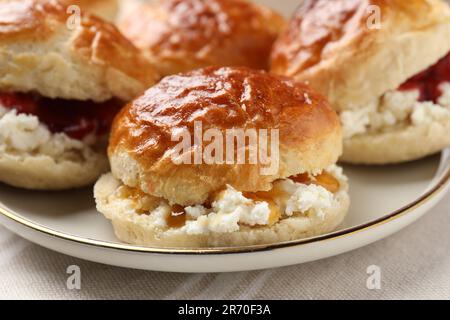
[(415, 264)]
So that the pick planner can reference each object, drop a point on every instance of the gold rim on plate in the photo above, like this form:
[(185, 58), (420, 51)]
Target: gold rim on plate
[(428, 196)]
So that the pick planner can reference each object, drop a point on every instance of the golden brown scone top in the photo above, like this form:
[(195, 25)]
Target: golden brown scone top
[(186, 34), (96, 40), (106, 9), (319, 27), (220, 98), (93, 43), (315, 26)]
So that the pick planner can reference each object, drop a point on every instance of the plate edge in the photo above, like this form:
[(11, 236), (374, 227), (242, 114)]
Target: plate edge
[(425, 198)]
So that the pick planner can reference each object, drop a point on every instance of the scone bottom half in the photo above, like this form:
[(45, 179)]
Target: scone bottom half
[(297, 207), (53, 144), (405, 124)]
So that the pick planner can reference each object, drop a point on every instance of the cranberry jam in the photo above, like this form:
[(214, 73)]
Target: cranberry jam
[(428, 81), (77, 119)]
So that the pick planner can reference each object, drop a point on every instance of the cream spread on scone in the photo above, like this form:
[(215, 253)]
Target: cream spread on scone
[(396, 109), (22, 133), (231, 209)]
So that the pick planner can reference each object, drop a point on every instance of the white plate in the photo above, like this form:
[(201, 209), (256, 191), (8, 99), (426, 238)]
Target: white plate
[(384, 200)]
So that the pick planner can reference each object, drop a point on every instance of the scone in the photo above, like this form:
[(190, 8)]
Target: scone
[(384, 66), (218, 196), (105, 9), (182, 35), (60, 88)]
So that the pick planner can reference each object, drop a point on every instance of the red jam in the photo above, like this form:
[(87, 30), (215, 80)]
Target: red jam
[(77, 119), (428, 81)]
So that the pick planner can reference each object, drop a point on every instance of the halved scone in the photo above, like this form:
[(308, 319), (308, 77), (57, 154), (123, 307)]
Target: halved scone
[(385, 68), (60, 87), (153, 199)]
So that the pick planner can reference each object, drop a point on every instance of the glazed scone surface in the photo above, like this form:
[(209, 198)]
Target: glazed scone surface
[(42, 51), (182, 35), (105, 9)]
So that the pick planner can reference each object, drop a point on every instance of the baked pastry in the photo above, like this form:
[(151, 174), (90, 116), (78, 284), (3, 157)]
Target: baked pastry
[(60, 88), (105, 9), (154, 199), (384, 66), (182, 35)]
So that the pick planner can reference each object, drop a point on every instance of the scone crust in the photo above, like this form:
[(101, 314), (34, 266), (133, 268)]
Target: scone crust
[(42, 51), (141, 146), (407, 143), (182, 35), (330, 45), (42, 172), (133, 229), (105, 9)]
